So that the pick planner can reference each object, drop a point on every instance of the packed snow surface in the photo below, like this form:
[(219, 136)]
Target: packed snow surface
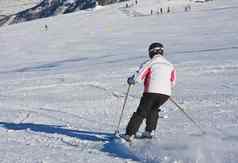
[(8, 7), (62, 88)]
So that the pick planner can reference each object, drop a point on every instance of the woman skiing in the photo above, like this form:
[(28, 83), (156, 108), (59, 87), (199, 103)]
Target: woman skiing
[(159, 76)]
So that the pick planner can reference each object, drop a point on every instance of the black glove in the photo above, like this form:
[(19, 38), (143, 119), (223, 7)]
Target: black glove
[(131, 80)]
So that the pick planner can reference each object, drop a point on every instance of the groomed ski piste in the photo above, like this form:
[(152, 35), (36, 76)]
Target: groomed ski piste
[(62, 89), (8, 7)]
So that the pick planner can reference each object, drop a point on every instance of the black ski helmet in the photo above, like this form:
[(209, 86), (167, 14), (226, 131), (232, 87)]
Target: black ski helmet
[(155, 49)]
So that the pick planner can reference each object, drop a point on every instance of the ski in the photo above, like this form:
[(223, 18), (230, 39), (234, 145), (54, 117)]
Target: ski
[(134, 139)]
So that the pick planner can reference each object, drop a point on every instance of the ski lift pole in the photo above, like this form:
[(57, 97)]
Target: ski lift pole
[(188, 116), (124, 104)]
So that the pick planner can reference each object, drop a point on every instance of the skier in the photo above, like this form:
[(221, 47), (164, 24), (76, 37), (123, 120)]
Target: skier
[(46, 27), (161, 10), (168, 10), (159, 77)]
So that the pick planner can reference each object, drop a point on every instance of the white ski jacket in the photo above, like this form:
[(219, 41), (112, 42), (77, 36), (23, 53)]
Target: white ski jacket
[(158, 74)]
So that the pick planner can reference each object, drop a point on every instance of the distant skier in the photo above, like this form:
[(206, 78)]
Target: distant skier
[(46, 27), (168, 10), (159, 77), (136, 2), (187, 8), (161, 10)]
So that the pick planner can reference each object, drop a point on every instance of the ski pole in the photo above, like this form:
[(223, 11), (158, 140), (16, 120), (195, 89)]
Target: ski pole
[(124, 104), (188, 116)]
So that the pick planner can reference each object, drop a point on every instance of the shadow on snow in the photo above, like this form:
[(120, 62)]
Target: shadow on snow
[(46, 66), (111, 145), (56, 129)]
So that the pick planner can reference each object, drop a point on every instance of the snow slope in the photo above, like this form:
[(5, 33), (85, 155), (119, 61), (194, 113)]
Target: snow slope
[(47, 8), (61, 90), (8, 7)]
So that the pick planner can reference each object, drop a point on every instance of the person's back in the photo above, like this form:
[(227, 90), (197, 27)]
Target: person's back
[(162, 72)]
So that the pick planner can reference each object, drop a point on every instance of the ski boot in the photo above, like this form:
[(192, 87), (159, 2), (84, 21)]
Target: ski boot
[(127, 138), (146, 135)]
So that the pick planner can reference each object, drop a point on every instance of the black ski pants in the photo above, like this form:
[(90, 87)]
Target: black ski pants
[(148, 109)]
